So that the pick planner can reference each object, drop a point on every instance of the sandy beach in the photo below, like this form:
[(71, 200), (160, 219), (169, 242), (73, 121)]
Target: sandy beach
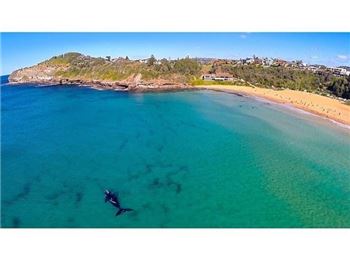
[(320, 105)]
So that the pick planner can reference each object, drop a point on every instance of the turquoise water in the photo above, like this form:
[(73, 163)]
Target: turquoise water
[(180, 159)]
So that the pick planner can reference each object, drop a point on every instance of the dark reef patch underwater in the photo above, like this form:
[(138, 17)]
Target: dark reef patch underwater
[(181, 159)]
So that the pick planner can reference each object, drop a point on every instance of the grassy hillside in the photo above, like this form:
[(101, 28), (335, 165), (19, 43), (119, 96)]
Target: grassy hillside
[(78, 66), (291, 78), (75, 66)]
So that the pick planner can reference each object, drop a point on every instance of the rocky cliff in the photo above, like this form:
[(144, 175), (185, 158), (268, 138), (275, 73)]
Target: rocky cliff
[(118, 74)]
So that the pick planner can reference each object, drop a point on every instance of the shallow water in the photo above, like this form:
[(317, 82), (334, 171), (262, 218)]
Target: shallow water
[(181, 159)]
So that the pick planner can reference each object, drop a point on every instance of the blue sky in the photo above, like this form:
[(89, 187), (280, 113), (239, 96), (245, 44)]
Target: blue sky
[(24, 49)]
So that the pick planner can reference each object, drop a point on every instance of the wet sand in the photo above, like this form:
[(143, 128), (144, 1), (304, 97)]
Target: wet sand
[(320, 105)]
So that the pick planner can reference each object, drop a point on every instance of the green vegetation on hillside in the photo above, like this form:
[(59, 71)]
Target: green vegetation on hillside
[(282, 77), (77, 66), (64, 59)]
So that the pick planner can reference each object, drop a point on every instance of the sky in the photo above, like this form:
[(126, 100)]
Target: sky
[(19, 50)]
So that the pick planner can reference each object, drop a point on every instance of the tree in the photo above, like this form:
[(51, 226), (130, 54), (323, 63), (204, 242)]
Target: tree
[(151, 60), (165, 66), (340, 86), (127, 58), (187, 66), (108, 58)]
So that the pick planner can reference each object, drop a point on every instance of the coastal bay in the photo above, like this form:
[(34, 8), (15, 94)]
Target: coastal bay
[(318, 90), (179, 159)]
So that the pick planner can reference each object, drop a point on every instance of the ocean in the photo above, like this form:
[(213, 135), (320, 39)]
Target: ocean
[(194, 159)]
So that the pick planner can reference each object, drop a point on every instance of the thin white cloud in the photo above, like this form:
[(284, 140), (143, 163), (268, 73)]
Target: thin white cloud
[(243, 36), (343, 57)]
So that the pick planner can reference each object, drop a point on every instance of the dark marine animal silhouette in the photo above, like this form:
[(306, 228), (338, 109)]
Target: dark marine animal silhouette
[(113, 199)]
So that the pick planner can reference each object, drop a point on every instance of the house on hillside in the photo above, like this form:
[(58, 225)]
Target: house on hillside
[(144, 61), (223, 77), (218, 77), (267, 61), (208, 77), (249, 61), (280, 62), (340, 71)]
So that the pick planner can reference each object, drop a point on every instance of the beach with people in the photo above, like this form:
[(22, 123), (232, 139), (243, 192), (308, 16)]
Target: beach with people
[(328, 107)]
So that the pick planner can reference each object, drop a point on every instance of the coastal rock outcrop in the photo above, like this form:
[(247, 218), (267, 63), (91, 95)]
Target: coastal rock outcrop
[(33, 74), (100, 73)]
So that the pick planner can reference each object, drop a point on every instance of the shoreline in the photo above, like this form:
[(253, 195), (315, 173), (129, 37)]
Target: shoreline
[(114, 86), (302, 111), (321, 106), (325, 107)]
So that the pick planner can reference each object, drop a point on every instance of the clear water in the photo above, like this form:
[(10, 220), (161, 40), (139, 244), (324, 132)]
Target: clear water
[(181, 159)]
